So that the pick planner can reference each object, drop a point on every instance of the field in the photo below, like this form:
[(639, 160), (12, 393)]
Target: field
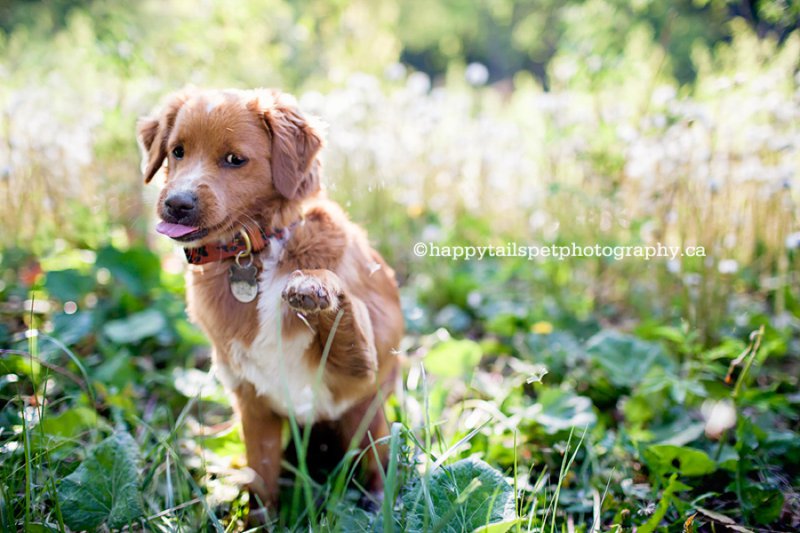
[(609, 392)]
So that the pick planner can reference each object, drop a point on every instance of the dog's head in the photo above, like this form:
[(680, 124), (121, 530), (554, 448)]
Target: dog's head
[(229, 156)]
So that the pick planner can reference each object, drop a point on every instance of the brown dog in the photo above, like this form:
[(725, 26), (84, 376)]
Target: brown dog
[(277, 271)]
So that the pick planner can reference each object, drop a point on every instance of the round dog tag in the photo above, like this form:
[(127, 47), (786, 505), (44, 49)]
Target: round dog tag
[(244, 285)]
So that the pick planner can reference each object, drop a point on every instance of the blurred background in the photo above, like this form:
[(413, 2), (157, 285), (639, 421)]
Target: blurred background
[(601, 121), (541, 122)]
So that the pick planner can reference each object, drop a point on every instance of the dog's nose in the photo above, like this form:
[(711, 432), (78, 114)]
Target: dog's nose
[(181, 205)]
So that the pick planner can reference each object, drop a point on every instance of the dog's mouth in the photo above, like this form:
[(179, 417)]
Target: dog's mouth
[(181, 232), (191, 234)]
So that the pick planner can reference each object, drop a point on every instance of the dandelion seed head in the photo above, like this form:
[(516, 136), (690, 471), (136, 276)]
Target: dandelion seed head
[(728, 266), (476, 74)]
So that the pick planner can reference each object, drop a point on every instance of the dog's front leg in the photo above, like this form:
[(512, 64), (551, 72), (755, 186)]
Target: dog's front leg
[(343, 321), (262, 438), (319, 296)]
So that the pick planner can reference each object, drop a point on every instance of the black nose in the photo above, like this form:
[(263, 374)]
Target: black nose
[(181, 206)]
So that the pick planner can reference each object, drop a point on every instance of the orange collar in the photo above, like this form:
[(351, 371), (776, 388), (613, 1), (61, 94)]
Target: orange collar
[(243, 243)]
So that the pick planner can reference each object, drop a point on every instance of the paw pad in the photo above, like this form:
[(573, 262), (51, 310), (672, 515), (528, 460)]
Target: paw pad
[(307, 294)]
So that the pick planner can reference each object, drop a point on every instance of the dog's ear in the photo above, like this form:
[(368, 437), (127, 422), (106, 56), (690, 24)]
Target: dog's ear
[(153, 133), (296, 141)]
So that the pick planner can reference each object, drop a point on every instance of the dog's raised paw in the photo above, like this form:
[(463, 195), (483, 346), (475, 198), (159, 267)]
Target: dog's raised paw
[(309, 294)]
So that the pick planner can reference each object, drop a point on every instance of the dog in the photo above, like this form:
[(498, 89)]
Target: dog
[(303, 315)]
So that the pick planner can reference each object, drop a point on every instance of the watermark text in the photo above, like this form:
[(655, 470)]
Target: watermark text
[(555, 251)]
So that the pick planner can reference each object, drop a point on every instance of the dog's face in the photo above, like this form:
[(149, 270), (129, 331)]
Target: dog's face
[(229, 155)]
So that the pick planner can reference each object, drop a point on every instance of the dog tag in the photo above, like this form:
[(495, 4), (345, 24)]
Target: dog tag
[(244, 286)]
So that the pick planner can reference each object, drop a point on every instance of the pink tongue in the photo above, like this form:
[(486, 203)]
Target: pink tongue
[(174, 230)]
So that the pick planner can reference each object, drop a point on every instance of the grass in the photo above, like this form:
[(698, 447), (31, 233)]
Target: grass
[(181, 495), (680, 377), (163, 467), (648, 453)]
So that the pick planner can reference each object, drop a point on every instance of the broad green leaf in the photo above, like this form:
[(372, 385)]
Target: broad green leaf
[(124, 398), (70, 329), (728, 458), (639, 409), (135, 327), (464, 496), (558, 410), (504, 324), (21, 365), (138, 269), (453, 358), (70, 423), (626, 359), (105, 487), (559, 350), (685, 461), (68, 285), (117, 369), (762, 501)]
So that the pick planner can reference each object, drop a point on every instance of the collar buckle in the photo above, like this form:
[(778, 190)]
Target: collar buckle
[(243, 245)]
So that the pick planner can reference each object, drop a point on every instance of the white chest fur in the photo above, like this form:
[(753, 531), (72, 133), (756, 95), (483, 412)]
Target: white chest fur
[(274, 363)]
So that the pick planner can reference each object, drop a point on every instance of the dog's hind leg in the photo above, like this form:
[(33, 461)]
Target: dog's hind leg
[(364, 427)]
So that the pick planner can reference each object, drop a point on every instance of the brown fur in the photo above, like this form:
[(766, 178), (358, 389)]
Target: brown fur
[(261, 429), (341, 273)]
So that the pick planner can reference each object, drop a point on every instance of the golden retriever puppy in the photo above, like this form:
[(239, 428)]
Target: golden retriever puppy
[(277, 271)]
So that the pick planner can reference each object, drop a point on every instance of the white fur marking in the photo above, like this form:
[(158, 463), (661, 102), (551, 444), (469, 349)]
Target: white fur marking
[(275, 364)]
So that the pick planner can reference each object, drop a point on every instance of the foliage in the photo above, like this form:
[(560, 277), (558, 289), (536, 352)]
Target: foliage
[(587, 393), (462, 497), (105, 487), (615, 150), (672, 428)]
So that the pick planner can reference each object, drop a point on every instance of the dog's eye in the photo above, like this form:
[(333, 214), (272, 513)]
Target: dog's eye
[(178, 152), (233, 160)]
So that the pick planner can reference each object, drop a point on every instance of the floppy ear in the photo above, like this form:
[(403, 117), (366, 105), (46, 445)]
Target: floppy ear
[(296, 140), (153, 133)]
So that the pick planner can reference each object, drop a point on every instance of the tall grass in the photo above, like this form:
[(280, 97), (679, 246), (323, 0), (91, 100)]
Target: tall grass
[(620, 155), (176, 491)]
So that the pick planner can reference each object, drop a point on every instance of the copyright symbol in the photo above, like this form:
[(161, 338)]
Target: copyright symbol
[(420, 249)]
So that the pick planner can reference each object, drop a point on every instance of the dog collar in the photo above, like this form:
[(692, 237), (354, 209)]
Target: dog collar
[(243, 244)]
